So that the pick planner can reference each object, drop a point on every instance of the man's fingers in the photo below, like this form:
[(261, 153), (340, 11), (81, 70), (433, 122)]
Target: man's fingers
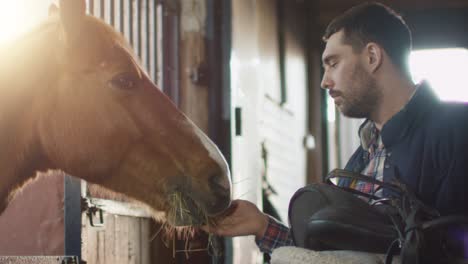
[(229, 211)]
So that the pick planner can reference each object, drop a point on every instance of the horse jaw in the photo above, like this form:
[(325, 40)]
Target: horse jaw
[(183, 199)]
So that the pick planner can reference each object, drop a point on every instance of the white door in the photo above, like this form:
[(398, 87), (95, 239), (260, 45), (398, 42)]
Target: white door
[(265, 112)]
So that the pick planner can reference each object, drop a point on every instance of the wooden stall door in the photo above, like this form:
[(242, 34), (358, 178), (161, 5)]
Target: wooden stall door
[(246, 94), (283, 102), (268, 84)]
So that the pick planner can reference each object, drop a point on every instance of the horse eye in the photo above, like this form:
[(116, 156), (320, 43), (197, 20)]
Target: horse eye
[(125, 81)]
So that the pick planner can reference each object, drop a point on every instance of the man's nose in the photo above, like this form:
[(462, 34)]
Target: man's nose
[(326, 83)]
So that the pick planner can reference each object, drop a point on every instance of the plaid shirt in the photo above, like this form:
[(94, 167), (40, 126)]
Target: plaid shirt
[(371, 141), (278, 235)]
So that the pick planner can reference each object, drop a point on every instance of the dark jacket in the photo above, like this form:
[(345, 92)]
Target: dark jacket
[(427, 145)]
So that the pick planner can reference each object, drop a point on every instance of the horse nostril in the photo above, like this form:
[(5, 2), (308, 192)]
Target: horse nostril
[(219, 205), (221, 189), (220, 184)]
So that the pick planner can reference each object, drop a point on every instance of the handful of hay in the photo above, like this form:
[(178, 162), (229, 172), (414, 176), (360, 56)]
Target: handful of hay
[(186, 217)]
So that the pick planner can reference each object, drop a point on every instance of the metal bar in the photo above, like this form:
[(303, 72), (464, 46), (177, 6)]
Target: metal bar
[(102, 9), (91, 7), (112, 13), (171, 60), (165, 52), (139, 35), (155, 42), (130, 21), (121, 16), (72, 211), (153, 45), (148, 36), (175, 59), (160, 46)]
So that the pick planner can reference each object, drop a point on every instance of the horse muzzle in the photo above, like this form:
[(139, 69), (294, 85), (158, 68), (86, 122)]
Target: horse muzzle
[(221, 192), (192, 204)]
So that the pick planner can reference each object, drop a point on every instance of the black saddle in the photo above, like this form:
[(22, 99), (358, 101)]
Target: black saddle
[(327, 217)]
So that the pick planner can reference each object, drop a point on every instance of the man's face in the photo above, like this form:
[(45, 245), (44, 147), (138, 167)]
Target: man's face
[(345, 76)]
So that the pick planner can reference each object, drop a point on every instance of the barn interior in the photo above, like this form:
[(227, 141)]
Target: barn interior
[(248, 73)]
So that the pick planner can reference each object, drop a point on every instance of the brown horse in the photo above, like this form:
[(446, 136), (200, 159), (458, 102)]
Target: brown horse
[(73, 98)]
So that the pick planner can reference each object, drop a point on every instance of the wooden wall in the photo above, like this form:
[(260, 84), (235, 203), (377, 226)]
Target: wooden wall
[(122, 240), (33, 222)]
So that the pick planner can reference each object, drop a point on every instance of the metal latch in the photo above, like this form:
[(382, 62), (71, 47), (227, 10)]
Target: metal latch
[(94, 213)]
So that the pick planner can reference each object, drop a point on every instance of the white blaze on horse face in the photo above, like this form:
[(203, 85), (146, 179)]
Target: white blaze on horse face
[(216, 155)]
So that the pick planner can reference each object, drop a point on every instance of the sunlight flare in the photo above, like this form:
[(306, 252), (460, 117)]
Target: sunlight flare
[(19, 16), (444, 69)]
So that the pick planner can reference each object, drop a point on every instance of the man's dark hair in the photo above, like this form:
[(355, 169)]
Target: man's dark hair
[(375, 22)]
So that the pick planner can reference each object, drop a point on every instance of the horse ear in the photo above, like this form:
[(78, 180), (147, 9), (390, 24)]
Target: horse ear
[(53, 10), (72, 13)]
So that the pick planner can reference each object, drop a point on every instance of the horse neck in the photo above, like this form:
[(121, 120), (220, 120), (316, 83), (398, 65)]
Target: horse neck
[(24, 70)]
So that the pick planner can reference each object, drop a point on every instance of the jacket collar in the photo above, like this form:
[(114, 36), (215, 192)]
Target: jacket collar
[(423, 101)]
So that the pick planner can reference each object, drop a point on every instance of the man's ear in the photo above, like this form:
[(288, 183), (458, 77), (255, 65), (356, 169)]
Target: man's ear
[(72, 14), (374, 56)]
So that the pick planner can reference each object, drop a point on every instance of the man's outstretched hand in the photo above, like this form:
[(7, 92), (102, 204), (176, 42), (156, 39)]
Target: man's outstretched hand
[(243, 218)]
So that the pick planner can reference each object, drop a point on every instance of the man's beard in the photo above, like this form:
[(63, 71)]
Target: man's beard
[(363, 96)]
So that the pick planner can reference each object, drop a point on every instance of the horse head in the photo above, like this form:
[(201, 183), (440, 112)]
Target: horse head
[(103, 120)]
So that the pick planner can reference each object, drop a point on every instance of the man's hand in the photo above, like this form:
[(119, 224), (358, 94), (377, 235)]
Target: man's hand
[(243, 219)]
